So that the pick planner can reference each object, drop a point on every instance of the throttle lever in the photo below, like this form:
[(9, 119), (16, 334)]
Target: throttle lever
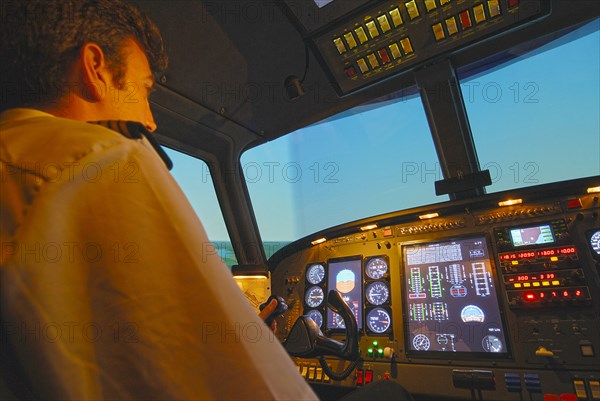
[(280, 310)]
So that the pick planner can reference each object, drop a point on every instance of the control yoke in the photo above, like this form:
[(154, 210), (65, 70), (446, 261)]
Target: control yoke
[(307, 341)]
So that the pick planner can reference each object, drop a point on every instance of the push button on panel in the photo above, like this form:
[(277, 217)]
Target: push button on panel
[(384, 56), (362, 64), (396, 17), (430, 5), (395, 50), (350, 40), (493, 8), (406, 45), (465, 19), (412, 9), (372, 28), (361, 35), (384, 24), (479, 13), (438, 31), (373, 60), (451, 26), (339, 44)]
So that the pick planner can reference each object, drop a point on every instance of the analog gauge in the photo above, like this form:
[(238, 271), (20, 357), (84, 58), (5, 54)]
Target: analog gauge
[(377, 293), (314, 296), (421, 342), (491, 344), (595, 242), (315, 274), (378, 320), (338, 321), (376, 268), (316, 316)]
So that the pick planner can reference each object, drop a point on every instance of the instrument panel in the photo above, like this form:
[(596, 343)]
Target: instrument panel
[(502, 300)]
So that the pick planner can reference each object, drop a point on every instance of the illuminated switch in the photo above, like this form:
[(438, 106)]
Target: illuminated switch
[(406, 45), (350, 71), (545, 283), (518, 285), (438, 31), (319, 374), (595, 389), (465, 19), (339, 44), (451, 26), (311, 373), (362, 64), (350, 40), (396, 17), (395, 52), (555, 282), (494, 8), (326, 378), (554, 259), (442, 2), (430, 5), (479, 13), (368, 376), (373, 60), (384, 56), (526, 285), (359, 377), (304, 371), (372, 28), (384, 24), (411, 8), (536, 284), (579, 386), (361, 35)]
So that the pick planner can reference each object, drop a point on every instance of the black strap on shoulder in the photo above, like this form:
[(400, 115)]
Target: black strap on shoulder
[(135, 130)]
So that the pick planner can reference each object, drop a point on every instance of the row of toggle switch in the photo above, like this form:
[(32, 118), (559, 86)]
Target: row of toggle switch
[(466, 19), (381, 57)]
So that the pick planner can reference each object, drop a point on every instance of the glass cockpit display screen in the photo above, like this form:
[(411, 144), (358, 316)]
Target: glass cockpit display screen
[(451, 298), (541, 234), (345, 276)]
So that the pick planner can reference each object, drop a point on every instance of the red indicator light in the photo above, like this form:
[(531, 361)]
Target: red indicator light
[(542, 295), (578, 293), (554, 294), (350, 72), (465, 19), (565, 294), (530, 296), (385, 58), (574, 204)]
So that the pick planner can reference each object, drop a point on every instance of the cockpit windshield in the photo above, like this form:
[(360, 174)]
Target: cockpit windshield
[(380, 157)]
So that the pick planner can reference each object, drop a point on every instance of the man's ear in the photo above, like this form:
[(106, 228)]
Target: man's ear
[(96, 75)]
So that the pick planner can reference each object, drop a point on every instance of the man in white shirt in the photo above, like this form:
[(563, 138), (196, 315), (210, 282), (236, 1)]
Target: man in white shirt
[(105, 289)]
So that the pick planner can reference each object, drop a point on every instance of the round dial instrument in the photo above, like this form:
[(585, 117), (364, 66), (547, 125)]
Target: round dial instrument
[(491, 343), (376, 268), (314, 296), (315, 274), (595, 242), (316, 316), (421, 342), (378, 320), (377, 293)]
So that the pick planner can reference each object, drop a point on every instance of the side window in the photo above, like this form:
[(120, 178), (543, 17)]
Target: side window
[(193, 176)]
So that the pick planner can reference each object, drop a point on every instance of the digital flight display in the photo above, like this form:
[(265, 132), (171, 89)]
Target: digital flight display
[(541, 234), (344, 275), (451, 299)]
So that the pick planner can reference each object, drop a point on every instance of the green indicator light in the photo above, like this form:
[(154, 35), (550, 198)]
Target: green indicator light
[(380, 352), (375, 343), (370, 351)]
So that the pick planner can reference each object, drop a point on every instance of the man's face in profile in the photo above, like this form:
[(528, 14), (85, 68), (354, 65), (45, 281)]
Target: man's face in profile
[(129, 101)]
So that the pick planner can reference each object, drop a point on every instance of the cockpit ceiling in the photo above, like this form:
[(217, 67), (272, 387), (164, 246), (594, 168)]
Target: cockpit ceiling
[(229, 61)]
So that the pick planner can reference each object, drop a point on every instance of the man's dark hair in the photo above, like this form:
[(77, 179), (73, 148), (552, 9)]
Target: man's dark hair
[(40, 39)]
